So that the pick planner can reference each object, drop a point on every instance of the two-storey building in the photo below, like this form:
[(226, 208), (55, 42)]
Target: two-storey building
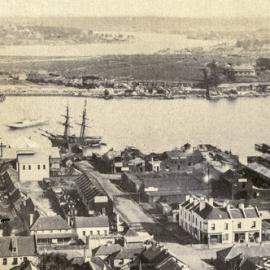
[(52, 230), (211, 222)]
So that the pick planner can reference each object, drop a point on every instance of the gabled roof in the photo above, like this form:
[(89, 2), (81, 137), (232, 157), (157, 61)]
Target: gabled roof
[(91, 222), (130, 251), (97, 263), (231, 176), (50, 223), (25, 246), (261, 250), (171, 264), (107, 250), (156, 254), (210, 212)]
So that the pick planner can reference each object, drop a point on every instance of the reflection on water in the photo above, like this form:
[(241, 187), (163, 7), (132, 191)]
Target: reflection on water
[(151, 125)]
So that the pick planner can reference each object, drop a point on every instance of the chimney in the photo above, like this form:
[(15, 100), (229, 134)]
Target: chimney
[(68, 220), (191, 199), (211, 201), (187, 198), (241, 206), (202, 204), (31, 219), (14, 246)]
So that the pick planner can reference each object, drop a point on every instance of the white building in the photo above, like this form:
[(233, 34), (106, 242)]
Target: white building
[(15, 250), (32, 166), (244, 71), (52, 230), (211, 223), (91, 226)]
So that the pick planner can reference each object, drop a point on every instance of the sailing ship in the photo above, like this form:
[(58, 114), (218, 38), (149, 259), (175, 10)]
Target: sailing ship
[(72, 142)]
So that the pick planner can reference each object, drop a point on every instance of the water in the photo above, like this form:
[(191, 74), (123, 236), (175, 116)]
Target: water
[(151, 125), (144, 43)]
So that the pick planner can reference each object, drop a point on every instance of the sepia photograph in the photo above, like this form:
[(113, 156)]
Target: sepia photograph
[(134, 135)]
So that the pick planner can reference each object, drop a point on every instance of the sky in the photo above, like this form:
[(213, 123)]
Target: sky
[(172, 8)]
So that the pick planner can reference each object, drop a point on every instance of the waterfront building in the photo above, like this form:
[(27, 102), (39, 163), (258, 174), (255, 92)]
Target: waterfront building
[(244, 71), (213, 223), (181, 159), (32, 166), (233, 185), (15, 250), (172, 187)]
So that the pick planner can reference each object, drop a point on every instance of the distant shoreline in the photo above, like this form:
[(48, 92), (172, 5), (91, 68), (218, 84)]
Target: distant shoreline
[(142, 97)]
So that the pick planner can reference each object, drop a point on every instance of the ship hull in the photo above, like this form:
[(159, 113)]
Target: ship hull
[(23, 125)]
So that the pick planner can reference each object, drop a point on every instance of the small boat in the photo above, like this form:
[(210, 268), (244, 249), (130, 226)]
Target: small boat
[(27, 123), (2, 98), (262, 147)]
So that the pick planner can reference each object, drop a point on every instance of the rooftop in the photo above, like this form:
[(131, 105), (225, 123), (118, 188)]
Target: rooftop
[(130, 251), (211, 210), (261, 250), (107, 250), (89, 222), (264, 171), (50, 223), (25, 246)]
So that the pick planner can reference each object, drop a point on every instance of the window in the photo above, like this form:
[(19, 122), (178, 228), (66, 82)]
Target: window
[(5, 261), (15, 261), (23, 167), (14, 249), (44, 167), (213, 226), (83, 233), (91, 232), (29, 167), (253, 224), (38, 166), (225, 237), (239, 225), (105, 232), (226, 226), (98, 232)]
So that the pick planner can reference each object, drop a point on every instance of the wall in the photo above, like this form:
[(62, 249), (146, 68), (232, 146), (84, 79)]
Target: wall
[(33, 174), (10, 264), (94, 230)]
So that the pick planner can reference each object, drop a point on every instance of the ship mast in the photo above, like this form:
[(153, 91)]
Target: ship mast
[(83, 124), (66, 124)]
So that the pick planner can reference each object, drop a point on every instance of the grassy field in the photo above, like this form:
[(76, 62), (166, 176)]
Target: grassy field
[(140, 67)]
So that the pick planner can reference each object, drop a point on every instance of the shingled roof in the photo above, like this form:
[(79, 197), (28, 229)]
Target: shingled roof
[(50, 223), (262, 250), (90, 222), (25, 246), (210, 212)]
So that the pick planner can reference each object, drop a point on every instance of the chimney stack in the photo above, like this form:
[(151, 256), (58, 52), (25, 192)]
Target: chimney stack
[(31, 219), (211, 201), (202, 204)]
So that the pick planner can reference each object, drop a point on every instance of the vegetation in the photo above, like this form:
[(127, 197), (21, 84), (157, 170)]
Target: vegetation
[(58, 261)]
